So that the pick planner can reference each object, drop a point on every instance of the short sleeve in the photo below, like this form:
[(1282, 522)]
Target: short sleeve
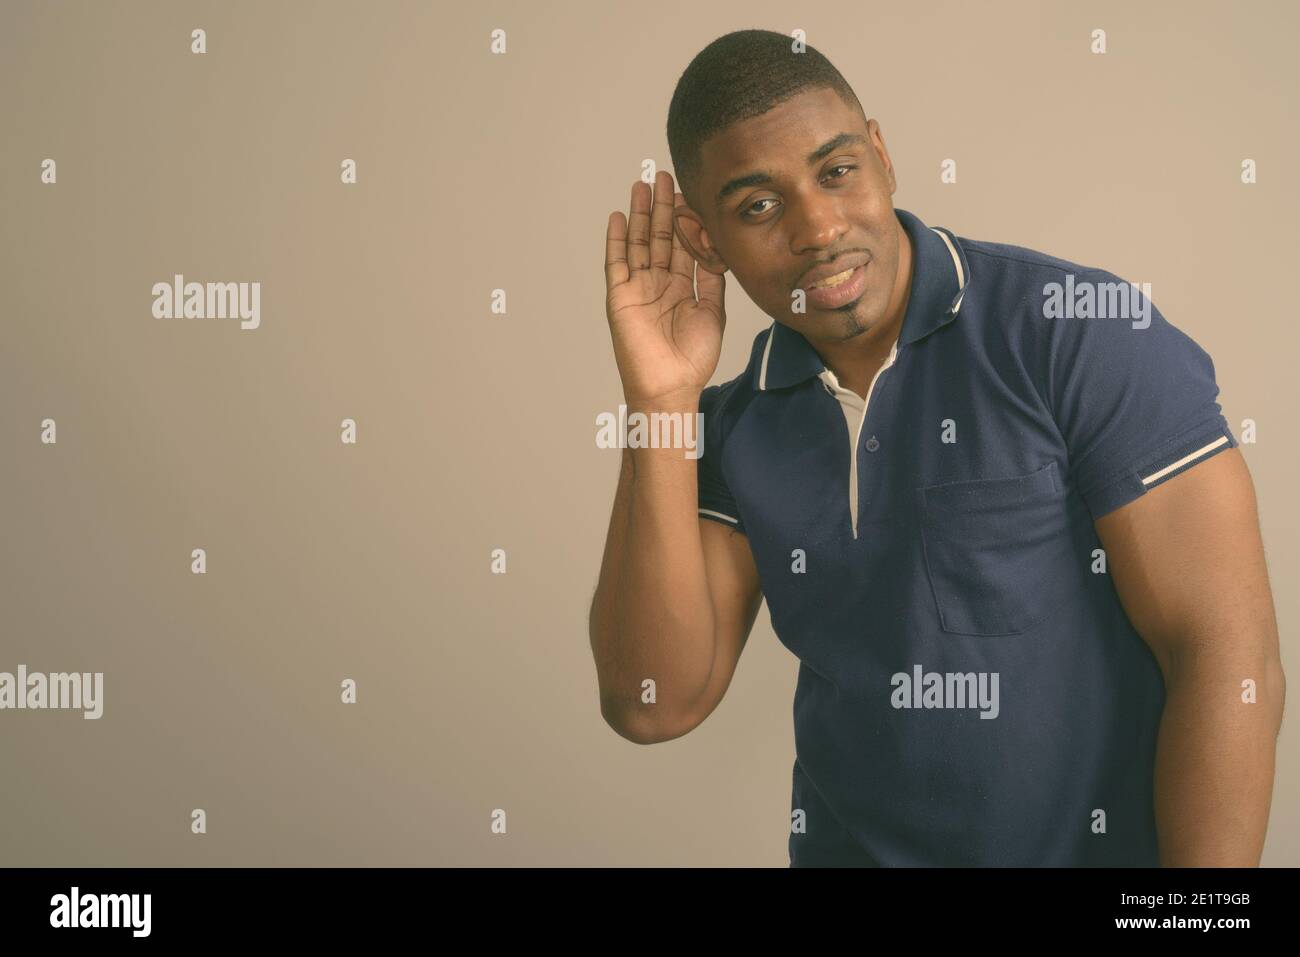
[(1133, 397), (715, 500)]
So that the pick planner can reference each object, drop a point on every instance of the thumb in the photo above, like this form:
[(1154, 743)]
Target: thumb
[(710, 287)]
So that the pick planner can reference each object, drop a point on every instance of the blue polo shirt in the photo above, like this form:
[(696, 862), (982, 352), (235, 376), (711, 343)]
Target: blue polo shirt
[(970, 690)]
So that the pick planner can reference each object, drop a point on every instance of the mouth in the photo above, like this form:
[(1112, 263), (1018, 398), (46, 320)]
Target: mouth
[(835, 291)]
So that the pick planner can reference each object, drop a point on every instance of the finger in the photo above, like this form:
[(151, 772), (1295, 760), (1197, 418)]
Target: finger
[(683, 262), (638, 227), (616, 271), (661, 222)]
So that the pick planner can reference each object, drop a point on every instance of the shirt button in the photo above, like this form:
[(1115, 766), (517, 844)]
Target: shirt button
[(872, 444)]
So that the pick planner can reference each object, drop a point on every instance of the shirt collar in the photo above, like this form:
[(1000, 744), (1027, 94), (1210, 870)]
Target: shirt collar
[(940, 276)]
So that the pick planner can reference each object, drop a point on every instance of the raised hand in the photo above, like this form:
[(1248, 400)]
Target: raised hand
[(666, 339)]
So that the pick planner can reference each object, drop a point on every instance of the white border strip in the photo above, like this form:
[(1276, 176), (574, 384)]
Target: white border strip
[(709, 511), (1185, 459)]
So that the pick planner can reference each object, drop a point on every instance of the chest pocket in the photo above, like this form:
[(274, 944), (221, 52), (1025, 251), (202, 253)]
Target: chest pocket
[(998, 552)]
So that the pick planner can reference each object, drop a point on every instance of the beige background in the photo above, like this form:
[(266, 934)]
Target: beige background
[(325, 561)]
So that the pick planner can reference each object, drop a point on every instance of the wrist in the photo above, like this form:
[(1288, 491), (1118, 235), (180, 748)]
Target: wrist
[(679, 400)]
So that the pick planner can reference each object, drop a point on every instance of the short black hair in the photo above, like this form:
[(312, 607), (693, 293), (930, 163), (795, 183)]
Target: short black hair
[(738, 76)]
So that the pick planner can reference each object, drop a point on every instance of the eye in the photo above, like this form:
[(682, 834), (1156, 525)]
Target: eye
[(749, 212)]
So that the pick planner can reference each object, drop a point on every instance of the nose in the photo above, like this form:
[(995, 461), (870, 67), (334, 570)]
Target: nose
[(816, 223)]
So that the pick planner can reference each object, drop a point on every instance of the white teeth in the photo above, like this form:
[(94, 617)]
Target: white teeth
[(833, 280)]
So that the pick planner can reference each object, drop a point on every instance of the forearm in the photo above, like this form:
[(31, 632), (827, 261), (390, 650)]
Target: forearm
[(651, 615), (1215, 758)]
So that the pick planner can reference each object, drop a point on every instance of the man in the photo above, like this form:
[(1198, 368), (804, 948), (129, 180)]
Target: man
[(1015, 550)]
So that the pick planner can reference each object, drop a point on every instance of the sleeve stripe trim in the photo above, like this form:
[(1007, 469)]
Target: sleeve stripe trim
[(709, 511), (1155, 476)]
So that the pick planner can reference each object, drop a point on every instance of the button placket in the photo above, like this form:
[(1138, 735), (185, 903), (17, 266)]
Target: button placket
[(856, 406)]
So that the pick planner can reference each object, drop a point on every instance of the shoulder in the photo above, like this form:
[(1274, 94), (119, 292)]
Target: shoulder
[(1019, 274), (1017, 261), (1028, 298)]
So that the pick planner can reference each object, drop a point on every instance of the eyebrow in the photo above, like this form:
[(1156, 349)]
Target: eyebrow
[(760, 177)]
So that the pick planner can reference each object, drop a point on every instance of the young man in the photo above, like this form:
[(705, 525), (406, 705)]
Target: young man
[(1015, 549)]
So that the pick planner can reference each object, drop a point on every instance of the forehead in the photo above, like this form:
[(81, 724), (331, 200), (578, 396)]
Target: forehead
[(781, 138)]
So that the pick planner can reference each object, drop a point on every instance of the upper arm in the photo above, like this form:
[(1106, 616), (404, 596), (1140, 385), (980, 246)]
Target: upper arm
[(1153, 458), (735, 595), (1188, 564)]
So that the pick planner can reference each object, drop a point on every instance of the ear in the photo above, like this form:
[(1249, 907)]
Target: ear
[(692, 234), (877, 139)]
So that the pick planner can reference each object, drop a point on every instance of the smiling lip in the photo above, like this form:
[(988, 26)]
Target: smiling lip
[(841, 263), (830, 297)]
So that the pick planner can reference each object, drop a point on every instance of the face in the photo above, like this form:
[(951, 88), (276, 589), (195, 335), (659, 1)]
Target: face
[(802, 191)]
